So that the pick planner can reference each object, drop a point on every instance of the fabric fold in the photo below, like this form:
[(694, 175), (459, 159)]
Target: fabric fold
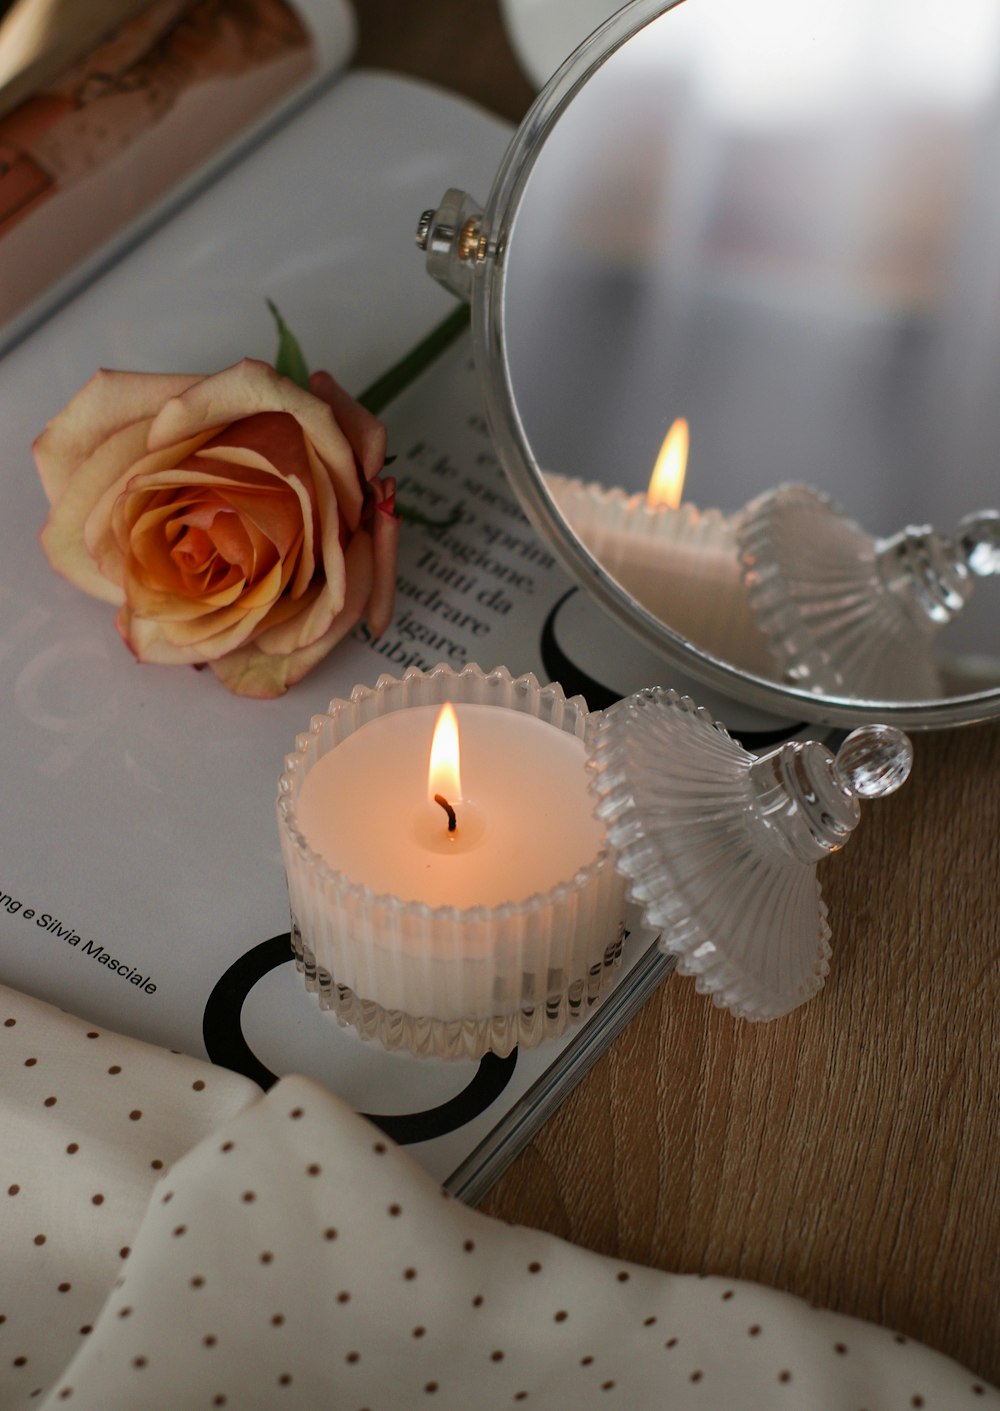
[(290, 1256)]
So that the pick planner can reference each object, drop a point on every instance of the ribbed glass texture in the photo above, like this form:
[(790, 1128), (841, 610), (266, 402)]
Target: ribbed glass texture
[(709, 861), (681, 564), (442, 980)]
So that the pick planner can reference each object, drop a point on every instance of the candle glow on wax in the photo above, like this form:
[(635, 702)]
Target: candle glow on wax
[(666, 484)]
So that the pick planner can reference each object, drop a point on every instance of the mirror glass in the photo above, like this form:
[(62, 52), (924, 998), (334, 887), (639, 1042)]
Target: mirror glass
[(780, 221)]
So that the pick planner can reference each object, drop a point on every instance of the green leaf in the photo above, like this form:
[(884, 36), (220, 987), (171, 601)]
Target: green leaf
[(289, 360)]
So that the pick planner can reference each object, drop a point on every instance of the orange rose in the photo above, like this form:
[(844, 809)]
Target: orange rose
[(235, 520)]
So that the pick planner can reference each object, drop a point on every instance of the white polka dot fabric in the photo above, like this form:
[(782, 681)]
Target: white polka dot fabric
[(294, 1258)]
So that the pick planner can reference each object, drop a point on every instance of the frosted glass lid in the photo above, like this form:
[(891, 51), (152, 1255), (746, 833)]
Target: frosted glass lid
[(720, 846)]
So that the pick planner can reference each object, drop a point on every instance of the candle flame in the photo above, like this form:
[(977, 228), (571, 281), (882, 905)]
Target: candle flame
[(666, 484), (444, 776)]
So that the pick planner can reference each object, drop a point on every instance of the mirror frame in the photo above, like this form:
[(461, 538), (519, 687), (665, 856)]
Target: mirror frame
[(487, 297)]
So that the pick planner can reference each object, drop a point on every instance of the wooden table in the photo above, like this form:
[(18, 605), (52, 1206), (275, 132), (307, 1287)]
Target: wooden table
[(848, 1153)]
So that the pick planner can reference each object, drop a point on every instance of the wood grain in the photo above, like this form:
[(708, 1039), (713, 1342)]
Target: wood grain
[(848, 1153)]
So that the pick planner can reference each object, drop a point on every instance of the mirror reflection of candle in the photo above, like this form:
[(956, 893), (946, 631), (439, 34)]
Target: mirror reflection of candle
[(677, 561), (666, 484), (444, 773)]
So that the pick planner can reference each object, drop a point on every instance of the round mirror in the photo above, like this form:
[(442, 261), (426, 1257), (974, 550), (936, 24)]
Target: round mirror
[(776, 221)]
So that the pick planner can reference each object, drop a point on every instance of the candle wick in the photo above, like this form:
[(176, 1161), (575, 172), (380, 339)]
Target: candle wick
[(452, 820)]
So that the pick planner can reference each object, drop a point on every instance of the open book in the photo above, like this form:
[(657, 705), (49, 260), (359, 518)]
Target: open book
[(113, 112), (138, 821)]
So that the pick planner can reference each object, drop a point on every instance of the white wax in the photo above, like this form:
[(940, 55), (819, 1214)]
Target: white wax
[(525, 821)]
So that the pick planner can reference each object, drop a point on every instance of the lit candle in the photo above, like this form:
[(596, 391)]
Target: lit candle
[(450, 895), (523, 817), (681, 563)]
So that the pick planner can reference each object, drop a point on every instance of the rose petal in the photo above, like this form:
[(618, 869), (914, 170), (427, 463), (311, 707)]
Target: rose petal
[(365, 432), (106, 404), (251, 387), (248, 671), (385, 539)]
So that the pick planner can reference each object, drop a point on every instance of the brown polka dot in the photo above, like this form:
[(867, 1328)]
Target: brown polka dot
[(73, 1148), (156, 1165), (520, 1396), (648, 1322), (560, 1317), (267, 1257), (418, 1332), (607, 1386), (978, 1389), (13, 1190), (87, 1328), (313, 1170), (330, 1234), (115, 1068), (3, 1317), (249, 1196), (50, 1102), (727, 1295), (840, 1347), (784, 1376), (124, 1312), (218, 1401), (395, 1210), (586, 1361), (166, 1198), (670, 1342), (135, 1114), (9, 1023), (284, 1380), (295, 1113), (754, 1330), (353, 1357), (534, 1267), (124, 1252), (65, 1393), (39, 1239), (916, 1400), (695, 1377), (624, 1276), (898, 1337), (138, 1361), (93, 1034), (496, 1356), (198, 1282), (227, 1146), (198, 1085), (477, 1302), (97, 1199), (379, 1148), (343, 1296), (65, 1287), (179, 1230), (468, 1246), (20, 1361), (431, 1387), (30, 1062), (209, 1340)]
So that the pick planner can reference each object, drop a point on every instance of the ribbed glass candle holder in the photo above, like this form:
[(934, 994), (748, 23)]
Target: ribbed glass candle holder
[(447, 981)]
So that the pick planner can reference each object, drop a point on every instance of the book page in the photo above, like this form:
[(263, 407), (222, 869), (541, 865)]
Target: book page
[(141, 883)]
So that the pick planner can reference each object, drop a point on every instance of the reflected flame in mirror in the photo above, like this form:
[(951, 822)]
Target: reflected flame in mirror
[(666, 484), (444, 775)]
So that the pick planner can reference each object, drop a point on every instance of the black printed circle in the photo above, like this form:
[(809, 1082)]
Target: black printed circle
[(226, 1044)]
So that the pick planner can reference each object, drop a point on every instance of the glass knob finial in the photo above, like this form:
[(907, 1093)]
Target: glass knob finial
[(978, 538), (874, 761)]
